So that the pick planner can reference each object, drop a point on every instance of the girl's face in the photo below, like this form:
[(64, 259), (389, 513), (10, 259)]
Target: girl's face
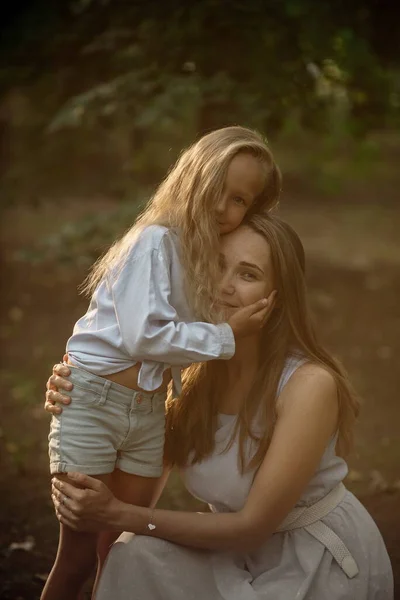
[(245, 180), (247, 271)]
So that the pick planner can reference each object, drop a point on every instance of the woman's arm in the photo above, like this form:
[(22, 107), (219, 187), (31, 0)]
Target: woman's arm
[(162, 482), (307, 419)]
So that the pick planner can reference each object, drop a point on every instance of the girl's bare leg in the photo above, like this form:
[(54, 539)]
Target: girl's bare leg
[(132, 489), (75, 560)]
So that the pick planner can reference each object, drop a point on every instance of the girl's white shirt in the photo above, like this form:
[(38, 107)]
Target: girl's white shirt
[(142, 315)]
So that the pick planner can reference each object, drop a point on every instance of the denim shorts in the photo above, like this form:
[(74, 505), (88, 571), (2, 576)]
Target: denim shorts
[(108, 426)]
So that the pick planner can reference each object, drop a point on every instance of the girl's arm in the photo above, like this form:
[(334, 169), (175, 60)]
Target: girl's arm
[(150, 326), (307, 419)]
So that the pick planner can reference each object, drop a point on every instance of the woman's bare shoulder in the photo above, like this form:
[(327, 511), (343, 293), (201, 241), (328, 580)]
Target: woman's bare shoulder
[(311, 382), (313, 372)]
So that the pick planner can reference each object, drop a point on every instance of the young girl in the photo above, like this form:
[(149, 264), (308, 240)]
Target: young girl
[(152, 312), (254, 436)]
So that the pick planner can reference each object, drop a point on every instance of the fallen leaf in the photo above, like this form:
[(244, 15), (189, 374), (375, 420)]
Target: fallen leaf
[(27, 545), (354, 476), (11, 447), (16, 313), (377, 482), (323, 300), (384, 352)]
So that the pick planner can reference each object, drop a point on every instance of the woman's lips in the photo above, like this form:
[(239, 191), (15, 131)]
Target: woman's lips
[(222, 303)]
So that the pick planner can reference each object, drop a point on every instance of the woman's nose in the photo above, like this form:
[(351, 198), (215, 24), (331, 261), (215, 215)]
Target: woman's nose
[(226, 285)]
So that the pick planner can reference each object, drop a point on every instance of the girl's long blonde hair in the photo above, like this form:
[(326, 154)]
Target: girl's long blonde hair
[(192, 418), (187, 199)]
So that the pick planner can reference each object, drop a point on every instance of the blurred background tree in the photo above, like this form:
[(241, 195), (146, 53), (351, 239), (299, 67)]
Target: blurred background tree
[(99, 96)]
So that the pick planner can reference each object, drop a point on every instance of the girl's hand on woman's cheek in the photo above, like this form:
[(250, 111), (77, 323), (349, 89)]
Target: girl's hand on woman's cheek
[(55, 397)]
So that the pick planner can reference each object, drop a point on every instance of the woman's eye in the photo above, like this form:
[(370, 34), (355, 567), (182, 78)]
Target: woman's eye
[(239, 200), (249, 276)]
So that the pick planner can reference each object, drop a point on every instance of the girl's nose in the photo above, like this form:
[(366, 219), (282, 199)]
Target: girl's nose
[(221, 206)]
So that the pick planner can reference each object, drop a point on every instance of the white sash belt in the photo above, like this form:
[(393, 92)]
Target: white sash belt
[(309, 518)]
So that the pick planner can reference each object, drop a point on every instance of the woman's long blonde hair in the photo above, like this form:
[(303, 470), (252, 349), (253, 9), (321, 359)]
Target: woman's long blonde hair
[(192, 418), (187, 199)]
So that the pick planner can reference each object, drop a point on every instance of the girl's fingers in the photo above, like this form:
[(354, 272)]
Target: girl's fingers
[(258, 306), (271, 302), (261, 307), (262, 315)]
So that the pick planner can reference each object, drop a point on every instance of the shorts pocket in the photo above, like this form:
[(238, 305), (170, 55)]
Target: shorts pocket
[(86, 396)]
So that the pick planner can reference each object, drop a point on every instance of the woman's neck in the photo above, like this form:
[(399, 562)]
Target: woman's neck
[(245, 359), (239, 376)]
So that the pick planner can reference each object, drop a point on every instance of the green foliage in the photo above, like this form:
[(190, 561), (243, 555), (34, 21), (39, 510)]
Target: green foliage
[(187, 68), (80, 241), (145, 79)]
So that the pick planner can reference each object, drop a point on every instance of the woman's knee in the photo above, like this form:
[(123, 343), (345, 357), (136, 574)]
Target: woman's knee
[(136, 549), (130, 554)]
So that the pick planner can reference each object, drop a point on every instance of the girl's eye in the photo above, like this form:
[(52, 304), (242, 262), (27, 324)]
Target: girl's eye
[(239, 200)]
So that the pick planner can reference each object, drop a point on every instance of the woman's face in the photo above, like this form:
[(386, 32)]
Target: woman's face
[(245, 180), (247, 272)]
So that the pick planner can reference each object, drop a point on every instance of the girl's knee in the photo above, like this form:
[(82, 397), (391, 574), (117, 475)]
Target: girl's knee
[(104, 544), (76, 551), (77, 562)]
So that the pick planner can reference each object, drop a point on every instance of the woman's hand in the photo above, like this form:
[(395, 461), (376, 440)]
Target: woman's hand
[(90, 507), (54, 384)]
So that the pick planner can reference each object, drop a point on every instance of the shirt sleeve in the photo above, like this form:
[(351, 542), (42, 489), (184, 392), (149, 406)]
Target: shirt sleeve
[(149, 324)]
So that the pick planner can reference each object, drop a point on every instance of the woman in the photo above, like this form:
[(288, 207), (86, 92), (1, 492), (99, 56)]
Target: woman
[(254, 437)]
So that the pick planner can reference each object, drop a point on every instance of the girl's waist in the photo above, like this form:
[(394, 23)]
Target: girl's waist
[(123, 372), (105, 388)]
